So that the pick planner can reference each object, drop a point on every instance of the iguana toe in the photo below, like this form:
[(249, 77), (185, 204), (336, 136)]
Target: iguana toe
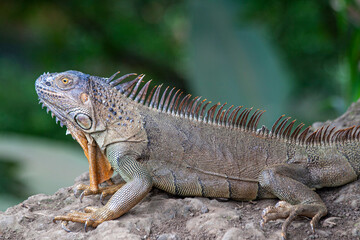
[(83, 190), (88, 217), (284, 210), (73, 216)]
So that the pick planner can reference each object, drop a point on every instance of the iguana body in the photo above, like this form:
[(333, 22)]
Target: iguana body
[(184, 147)]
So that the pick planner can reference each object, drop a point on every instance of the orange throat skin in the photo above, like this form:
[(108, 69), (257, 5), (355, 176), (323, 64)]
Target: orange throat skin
[(99, 167)]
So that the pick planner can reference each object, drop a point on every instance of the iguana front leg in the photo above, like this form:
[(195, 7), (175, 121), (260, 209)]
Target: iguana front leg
[(290, 183), (138, 184), (99, 171)]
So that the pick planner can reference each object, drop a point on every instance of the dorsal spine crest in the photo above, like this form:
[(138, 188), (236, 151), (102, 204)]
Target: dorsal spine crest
[(192, 108)]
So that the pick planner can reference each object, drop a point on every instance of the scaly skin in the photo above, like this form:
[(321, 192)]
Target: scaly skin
[(181, 146)]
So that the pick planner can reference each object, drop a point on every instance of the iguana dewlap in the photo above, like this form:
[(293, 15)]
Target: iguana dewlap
[(186, 147)]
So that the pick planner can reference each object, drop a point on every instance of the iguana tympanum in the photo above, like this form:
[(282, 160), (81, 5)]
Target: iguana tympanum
[(182, 146)]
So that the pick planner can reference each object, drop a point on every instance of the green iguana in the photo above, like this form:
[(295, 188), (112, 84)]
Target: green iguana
[(182, 146)]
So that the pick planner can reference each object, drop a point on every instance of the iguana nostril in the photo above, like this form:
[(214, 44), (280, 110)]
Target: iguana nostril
[(48, 84)]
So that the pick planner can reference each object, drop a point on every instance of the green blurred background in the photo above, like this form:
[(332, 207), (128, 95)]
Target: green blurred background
[(295, 57)]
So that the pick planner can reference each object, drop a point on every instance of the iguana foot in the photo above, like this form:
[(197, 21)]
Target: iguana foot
[(284, 210), (85, 190), (90, 217)]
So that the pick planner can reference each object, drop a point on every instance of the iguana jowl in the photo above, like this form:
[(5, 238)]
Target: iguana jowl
[(180, 145)]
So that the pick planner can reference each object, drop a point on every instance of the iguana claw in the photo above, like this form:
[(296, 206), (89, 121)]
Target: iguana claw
[(82, 196), (262, 224), (102, 198), (289, 212), (312, 227), (63, 225), (105, 191)]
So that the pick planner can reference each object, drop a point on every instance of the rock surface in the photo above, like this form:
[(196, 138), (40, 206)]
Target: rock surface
[(161, 216)]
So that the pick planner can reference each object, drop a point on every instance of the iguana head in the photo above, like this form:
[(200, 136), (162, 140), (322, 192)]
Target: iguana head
[(66, 95), (91, 106)]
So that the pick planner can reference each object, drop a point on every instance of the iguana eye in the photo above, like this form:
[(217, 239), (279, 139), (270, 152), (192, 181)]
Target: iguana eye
[(65, 80)]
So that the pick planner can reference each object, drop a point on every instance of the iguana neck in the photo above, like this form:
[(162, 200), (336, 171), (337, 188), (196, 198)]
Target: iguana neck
[(117, 118)]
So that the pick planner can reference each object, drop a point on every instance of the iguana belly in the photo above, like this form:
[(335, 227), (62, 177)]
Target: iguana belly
[(192, 182)]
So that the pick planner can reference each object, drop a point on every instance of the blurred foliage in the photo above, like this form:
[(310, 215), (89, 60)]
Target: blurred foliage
[(348, 23), (319, 41), (305, 33), (10, 183), (234, 64)]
